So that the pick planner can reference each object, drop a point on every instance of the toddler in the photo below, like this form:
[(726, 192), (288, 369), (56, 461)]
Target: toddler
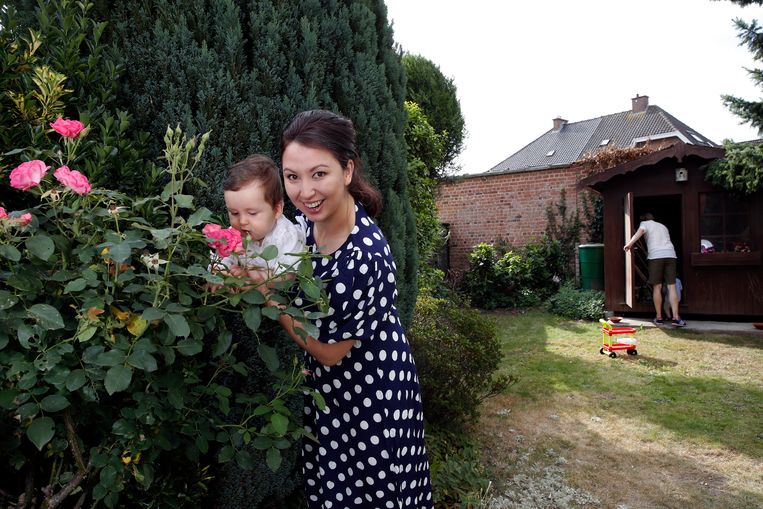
[(254, 200)]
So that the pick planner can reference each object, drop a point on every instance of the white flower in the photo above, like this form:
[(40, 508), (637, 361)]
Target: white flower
[(114, 210), (152, 261)]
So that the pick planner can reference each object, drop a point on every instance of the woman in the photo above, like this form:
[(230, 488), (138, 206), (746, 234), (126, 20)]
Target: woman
[(370, 436)]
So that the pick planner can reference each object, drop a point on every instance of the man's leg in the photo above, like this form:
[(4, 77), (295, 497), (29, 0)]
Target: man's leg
[(657, 298), (673, 298)]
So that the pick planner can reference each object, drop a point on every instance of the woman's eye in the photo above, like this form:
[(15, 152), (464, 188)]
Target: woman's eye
[(319, 174), (291, 177)]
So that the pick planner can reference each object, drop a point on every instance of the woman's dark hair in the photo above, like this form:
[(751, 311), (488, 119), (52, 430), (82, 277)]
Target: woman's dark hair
[(335, 133), (256, 168), (646, 217)]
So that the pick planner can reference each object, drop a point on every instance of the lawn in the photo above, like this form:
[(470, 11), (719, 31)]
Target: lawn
[(679, 425)]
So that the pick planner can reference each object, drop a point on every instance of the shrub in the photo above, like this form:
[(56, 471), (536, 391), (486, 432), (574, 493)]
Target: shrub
[(500, 276), (577, 304), (459, 479), (113, 349), (457, 354)]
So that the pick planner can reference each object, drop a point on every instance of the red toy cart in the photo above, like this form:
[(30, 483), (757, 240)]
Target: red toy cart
[(620, 342)]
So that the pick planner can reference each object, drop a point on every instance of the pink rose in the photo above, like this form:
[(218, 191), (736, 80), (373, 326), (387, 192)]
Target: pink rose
[(68, 128), (73, 179), (28, 174), (3, 213), (23, 219), (228, 240)]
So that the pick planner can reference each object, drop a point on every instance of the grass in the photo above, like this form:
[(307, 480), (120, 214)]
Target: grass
[(679, 425)]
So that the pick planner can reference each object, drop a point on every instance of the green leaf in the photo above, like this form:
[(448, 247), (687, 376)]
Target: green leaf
[(10, 252), (200, 216), (75, 380), (47, 316), (253, 297), (269, 356), (269, 253), (273, 458), (271, 312), (280, 423), (244, 460), (120, 252), (86, 333), (117, 379), (224, 340), (189, 346), (162, 234), (152, 314), (252, 318), (40, 246), (54, 403), (141, 359), (8, 300), (75, 286), (226, 454), (178, 325), (184, 201), (110, 358), (40, 431), (311, 289), (7, 396)]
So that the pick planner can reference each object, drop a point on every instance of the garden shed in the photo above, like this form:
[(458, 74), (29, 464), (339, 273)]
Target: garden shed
[(717, 234)]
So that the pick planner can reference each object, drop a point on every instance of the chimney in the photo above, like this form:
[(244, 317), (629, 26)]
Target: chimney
[(559, 122), (639, 103)]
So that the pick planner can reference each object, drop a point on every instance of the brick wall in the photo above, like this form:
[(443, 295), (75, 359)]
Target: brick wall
[(482, 207)]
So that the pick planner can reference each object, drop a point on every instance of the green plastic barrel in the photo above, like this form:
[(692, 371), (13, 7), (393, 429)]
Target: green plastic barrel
[(591, 266)]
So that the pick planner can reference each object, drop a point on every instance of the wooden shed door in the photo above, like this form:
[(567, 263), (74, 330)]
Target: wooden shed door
[(628, 222)]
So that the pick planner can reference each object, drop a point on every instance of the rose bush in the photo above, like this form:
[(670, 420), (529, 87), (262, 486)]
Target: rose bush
[(112, 348)]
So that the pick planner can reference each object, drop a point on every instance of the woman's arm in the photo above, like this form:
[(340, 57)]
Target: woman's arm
[(327, 354)]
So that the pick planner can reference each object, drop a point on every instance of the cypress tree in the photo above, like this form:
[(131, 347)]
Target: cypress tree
[(242, 69)]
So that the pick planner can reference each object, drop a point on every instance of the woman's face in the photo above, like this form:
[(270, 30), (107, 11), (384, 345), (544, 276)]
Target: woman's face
[(315, 181)]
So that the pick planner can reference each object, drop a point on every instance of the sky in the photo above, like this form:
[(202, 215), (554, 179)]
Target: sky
[(519, 65)]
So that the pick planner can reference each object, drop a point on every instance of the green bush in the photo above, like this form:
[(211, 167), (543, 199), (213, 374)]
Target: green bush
[(500, 276), (457, 354), (577, 304), (113, 350), (459, 479)]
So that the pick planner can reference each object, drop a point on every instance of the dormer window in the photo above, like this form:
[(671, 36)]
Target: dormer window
[(604, 142), (550, 153)]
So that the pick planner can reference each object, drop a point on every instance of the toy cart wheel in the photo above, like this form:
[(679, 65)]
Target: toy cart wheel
[(612, 354), (601, 351), (632, 352)]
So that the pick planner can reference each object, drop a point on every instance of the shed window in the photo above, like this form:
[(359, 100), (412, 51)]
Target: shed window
[(724, 224)]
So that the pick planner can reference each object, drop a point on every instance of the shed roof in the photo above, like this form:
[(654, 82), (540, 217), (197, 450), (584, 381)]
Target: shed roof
[(679, 151)]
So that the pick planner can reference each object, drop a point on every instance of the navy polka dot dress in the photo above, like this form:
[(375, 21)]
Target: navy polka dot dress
[(370, 449)]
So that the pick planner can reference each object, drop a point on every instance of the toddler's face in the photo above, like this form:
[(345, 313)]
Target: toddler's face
[(249, 213)]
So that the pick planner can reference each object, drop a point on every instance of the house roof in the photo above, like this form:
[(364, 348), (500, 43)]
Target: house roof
[(564, 146)]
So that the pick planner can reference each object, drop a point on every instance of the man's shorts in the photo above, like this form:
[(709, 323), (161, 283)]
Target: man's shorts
[(662, 269)]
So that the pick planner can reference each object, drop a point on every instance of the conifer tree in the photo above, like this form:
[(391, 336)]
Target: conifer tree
[(241, 69)]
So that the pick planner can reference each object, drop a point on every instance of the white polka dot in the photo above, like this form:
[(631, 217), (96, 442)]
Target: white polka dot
[(367, 241), (340, 288)]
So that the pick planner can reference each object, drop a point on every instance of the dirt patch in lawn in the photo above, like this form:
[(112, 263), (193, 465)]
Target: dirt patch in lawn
[(556, 454)]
